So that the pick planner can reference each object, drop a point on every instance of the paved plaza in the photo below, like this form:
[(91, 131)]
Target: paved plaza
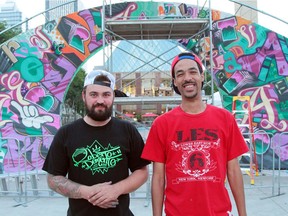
[(264, 198)]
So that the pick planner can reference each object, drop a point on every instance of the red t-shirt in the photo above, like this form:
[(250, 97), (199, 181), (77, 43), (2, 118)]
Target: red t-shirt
[(195, 149)]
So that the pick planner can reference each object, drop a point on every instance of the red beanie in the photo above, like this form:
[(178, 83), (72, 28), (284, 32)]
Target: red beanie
[(185, 55)]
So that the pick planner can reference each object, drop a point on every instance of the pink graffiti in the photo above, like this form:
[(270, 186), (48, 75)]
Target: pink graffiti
[(192, 12), (12, 82), (87, 16), (77, 31), (125, 15), (27, 156), (40, 40), (280, 145), (56, 81), (271, 48), (267, 105), (227, 23), (218, 61), (36, 94), (237, 51)]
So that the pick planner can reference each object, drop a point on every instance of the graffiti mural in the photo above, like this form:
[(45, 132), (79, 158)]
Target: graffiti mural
[(36, 69), (252, 61), (35, 72)]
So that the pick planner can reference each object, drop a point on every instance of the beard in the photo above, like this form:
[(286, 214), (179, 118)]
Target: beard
[(99, 115), (189, 96)]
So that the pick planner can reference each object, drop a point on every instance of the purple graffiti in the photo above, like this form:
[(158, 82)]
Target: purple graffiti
[(271, 48)]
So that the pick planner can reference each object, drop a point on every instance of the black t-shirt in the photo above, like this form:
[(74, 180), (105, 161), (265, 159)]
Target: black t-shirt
[(91, 155)]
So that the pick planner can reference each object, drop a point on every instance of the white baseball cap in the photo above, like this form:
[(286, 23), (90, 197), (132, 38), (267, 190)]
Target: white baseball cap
[(90, 78)]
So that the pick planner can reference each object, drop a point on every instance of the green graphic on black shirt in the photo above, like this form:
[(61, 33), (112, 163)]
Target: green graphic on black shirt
[(97, 158)]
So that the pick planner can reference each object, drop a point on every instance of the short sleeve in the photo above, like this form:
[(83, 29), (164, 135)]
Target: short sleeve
[(57, 162), (237, 144), (154, 149)]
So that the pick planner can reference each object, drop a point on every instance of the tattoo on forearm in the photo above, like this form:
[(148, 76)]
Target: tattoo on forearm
[(64, 186)]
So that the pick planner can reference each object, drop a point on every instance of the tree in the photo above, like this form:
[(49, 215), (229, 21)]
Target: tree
[(207, 85), (8, 34), (73, 96)]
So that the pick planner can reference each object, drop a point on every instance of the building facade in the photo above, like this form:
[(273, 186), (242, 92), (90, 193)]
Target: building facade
[(60, 8), (142, 70), (10, 14)]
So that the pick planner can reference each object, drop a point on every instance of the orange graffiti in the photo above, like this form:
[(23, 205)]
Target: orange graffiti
[(216, 15), (161, 10), (241, 21), (237, 51)]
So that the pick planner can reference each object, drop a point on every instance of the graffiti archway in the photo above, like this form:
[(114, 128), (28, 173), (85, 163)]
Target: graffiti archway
[(37, 67)]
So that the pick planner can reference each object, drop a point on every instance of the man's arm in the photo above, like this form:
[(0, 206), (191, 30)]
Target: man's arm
[(158, 185), (133, 181), (68, 188), (64, 186), (235, 179), (126, 186)]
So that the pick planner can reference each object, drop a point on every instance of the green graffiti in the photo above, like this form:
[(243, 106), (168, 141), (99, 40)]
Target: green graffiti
[(229, 34), (272, 73), (46, 102), (96, 158), (78, 43), (230, 63), (284, 106), (98, 22), (57, 48), (221, 77), (31, 69), (262, 142), (281, 87), (26, 50), (191, 43), (265, 69), (30, 131), (169, 9), (5, 114), (3, 152), (203, 13), (261, 147)]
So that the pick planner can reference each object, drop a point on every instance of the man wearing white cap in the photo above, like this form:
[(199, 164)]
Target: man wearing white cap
[(96, 154)]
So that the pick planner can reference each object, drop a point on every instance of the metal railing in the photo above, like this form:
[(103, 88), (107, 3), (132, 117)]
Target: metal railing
[(270, 173), (41, 13), (23, 177)]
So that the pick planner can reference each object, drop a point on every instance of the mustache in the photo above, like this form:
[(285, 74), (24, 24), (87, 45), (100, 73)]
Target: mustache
[(99, 105), (189, 82)]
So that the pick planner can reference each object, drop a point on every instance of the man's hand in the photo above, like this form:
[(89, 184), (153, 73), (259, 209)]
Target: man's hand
[(104, 195)]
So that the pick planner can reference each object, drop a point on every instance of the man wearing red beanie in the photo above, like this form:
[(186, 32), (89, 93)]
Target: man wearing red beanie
[(193, 148)]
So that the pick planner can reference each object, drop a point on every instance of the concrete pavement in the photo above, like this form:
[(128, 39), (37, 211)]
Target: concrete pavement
[(264, 198)]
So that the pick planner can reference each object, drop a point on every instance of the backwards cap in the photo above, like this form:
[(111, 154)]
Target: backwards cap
[(90, 78), (185, 55)]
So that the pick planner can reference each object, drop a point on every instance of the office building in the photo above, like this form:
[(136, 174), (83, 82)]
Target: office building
[(10, 14), (59, 8)]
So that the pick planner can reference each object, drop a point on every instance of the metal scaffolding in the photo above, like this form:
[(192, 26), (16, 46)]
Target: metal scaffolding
[(152, 28)]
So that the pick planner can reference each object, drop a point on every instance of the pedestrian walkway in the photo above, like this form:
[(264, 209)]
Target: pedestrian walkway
[(262, 200)]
